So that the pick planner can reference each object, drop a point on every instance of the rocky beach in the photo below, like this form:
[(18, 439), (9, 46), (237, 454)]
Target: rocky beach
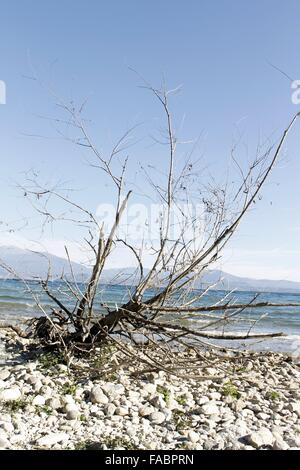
[(247, 401)]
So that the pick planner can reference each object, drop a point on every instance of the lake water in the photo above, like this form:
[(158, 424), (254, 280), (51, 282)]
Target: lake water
[(17, 301)]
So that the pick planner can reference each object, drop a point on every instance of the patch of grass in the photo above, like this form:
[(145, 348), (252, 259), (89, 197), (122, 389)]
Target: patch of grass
[(116, 442), (104, 355), (83, 418), (231, 390), (110, 442), (164, 392), (44, 409), (68, 389), (181, 400), (82, 445), (273, 395), (50, 359), (15, 405)]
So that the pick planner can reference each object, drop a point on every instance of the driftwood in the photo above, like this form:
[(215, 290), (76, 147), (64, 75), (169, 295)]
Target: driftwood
[(18, 330), (177, 262)]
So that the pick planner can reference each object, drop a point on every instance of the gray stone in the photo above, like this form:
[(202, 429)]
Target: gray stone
[(294, 441), (46, 391), (110, 409), (39, 400), (37, 386), (295, 407), (157, 417), (4, 443), (52, 439), (211, 371), (122, 411), (67, 399), (238, 405), (71, 407), (210, 409), (193, 436), (4, 374), (203, 400), (146, 410), (32, 379), (209, 444), (260, 438), (8, 427), (54, 403), (172, 404), (97, 396), (263, 416), (10, 394), (72, 414), (280, 444), (149, 388), (113, 389), (215, 396)]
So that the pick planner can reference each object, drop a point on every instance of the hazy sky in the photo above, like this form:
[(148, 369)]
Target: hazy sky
[(220, 51)]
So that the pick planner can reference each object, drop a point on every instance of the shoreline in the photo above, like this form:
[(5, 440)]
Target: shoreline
[(250, 401)]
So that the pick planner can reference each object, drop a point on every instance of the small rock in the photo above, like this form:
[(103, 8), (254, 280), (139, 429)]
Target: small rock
[(39, 400), (110, 409), (210, 409), (10, 394), (54, 403), (238, 405), (46, 391), (122, 411), (31, 366), (193, 436), (71, 407), (146, 410), (37, 386), (52, 439), (149, 388), (260, 438), (51, 421), (172, 404), (113, 389), (157, 417), (8, 427), (211, 371), (215, 396), (4, 374), (72, 414), (263, 416), (67, 399), (97, 396), (4, 443), (280, 444), (209, 444), (294, 441), (32, 379), (295, 407), (158, 402), (203, 400)]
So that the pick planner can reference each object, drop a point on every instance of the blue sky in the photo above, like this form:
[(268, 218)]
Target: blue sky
[(218, 50)]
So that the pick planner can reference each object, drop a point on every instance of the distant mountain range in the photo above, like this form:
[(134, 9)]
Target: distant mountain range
[(33, 265)]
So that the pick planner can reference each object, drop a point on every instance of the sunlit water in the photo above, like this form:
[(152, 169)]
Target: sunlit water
[(18, 301)]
